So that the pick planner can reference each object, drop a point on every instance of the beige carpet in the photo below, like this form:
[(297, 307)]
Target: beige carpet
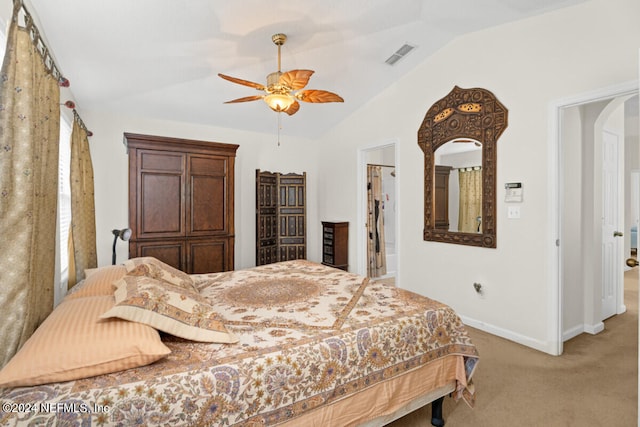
[(594, 383)]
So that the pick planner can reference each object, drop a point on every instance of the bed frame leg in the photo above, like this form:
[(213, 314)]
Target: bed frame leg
[(436, 412)]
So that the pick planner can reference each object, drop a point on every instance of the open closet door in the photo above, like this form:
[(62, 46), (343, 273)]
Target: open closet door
[(280, 217)]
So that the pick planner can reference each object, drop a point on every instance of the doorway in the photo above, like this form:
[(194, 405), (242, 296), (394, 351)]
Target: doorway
[(384, 159), (580, 201)]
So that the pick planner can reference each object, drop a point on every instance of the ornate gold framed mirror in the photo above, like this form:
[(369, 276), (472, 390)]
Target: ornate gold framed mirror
[(459, 135)]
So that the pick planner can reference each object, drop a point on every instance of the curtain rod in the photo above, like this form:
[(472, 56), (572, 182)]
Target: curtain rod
[(384, 166), (37, 40), (76, 116), (43, 50)]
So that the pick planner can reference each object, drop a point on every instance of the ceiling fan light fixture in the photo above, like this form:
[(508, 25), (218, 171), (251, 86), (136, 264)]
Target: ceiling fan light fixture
[(279, 101), (284, 89)]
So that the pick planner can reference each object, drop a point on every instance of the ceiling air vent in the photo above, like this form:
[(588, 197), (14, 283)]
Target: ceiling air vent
[(399, 54)]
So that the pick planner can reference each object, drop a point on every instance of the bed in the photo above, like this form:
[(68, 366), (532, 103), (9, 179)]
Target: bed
[(291, 343)]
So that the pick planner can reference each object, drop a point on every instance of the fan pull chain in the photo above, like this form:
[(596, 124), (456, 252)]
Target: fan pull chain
[(279, 127)]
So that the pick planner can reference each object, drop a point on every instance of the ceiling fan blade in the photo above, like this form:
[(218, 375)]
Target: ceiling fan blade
[(245, 99), (296, 79), (314, 95), (293, 108), (242, 82)]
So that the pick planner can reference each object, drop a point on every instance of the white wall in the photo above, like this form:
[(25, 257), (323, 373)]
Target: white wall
[(527, 65), (256, 151)]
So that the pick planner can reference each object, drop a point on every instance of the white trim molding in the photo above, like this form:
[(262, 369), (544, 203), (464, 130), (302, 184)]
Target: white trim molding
[(361, 200), (555, 331)]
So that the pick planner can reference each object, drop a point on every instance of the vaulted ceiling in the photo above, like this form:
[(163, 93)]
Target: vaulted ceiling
[(160, 58)]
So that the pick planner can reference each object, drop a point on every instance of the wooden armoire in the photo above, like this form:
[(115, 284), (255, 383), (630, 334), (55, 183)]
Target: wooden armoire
[(280, 217), (441, 197), (181, 195)]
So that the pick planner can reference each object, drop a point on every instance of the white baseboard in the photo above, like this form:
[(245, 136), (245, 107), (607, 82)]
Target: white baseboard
[(594, 329), (577, 330), (572, 333), (544, 346)]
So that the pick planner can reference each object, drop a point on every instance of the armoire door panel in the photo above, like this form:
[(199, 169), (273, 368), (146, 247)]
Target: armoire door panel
[(208, 165), (208, 194), (207, 256), (208, 210), (161, 211), (172, 253), (162, 161)]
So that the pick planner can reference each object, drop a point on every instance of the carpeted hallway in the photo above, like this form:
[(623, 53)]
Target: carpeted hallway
[(594, 383)]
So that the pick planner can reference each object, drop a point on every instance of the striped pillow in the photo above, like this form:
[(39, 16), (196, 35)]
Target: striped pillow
[(98, 282), (73, 343)]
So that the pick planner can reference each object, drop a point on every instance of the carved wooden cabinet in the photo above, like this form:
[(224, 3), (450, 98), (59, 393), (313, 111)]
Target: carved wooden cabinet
[(181, 202), (335, 244)]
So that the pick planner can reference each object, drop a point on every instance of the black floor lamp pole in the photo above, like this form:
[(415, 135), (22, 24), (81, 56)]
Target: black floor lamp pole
[(124, 234), (113, 256)]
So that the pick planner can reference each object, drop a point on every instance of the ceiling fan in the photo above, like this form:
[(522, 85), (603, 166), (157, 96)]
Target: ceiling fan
[(283, 90)]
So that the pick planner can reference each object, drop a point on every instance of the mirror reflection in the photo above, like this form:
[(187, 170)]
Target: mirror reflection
[(458, 186), (468, 121)]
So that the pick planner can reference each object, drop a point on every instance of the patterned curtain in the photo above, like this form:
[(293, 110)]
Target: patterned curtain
[(82, 236), (375, 223), (470, 215), (29, 133)]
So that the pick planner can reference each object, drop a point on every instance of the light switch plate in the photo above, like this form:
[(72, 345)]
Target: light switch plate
[(513, 212)]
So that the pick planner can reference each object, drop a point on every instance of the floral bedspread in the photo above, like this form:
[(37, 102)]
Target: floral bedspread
[(309, 335)]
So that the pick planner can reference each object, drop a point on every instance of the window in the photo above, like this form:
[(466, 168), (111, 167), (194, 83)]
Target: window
[(64, 211)]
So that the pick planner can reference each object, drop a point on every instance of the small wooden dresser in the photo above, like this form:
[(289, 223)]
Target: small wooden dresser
[(335, 244)]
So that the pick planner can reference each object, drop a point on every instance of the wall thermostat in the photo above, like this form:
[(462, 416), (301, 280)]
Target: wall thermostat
[(513, 192)]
